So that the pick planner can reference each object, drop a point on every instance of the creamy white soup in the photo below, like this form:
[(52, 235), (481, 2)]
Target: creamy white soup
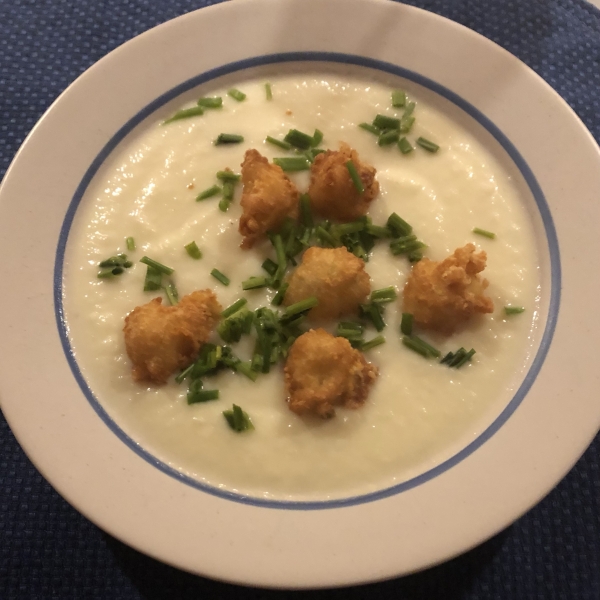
[(419, 412)]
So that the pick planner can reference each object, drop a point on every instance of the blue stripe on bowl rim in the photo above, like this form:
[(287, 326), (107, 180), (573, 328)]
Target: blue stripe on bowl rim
[(348, 59)]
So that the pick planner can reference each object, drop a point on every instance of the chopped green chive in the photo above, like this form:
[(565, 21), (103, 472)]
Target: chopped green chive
[(398, 226), (270, 266), (224, 204), (427, 145), (153, 280), (406, 245), (378, 231), (130, 242), (484, 233), (193, 250), (384, 122), (238, 419), (171, 292), (406, 123), (220, 277), (410, 107), (296, 163), (370, 128), (358, 184), (236, 94), (233, 308), (202, 396), (513, 310), (228, 189), (279, 143), (185, 113), (457, 359), (388, 137), (156, 265), (406, 325), (398, 98), (317, 138), (387, 294), (228, 175), (299, 307), (420, 346), (268, 91), (254, 283), (298, 139), (115, 265), (404, 145), (228, 138), (281, 259), (215, 102), (208, 193), (376, 341), (306, 217), (280, 295)]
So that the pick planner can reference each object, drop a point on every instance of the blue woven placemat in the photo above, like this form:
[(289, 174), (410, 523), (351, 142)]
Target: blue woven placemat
[(49, 551)]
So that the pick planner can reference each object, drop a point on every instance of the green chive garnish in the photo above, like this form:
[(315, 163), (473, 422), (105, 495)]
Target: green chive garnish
[(298, 139), (280, 295), (220, 277), (388, 137), (296, 163), (398, 226), (420, 346), (228, 189), (156, 265), (299, 307), (228, 138), (233, 308), (384, 122), (238, 419), (398, 98), (224, 204), (208, 193), (185, 113), (236, 94), (406, 124), (387, 294), (153, 280), (513, 310), (376, 341), (193, 250), (484, 233), (270, 266), (254, 283), (202, 396), (130, 242), (245, 368), (406, 325), (268, 91), (306, 217), (317, 138), (404, 145), (370, 128), (279, 143), (216, 102), (427, 144), (358, 184), (228, 175), (171, 292)]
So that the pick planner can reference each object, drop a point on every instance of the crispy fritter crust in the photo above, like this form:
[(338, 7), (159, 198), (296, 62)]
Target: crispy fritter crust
[(163, 339), (323, 371), (268, 197), (335, 276), (332, 192), (444, 295)]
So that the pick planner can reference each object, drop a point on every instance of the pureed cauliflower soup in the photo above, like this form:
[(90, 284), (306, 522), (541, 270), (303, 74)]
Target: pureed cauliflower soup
[(418, 412)]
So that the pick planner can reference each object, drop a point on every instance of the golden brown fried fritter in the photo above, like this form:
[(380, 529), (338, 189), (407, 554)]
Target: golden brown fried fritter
[(268, 197), (444, 295), (332, 192), (335, 276), (323, 371), (163, 339)]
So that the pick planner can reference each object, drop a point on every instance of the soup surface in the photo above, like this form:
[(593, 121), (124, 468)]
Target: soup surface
[(419, 412)]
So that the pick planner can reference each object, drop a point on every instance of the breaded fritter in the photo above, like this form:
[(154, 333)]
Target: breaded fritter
[(268, 197), (323, 371), (444, 295), (332, 192), (163, 339), (335, 276)]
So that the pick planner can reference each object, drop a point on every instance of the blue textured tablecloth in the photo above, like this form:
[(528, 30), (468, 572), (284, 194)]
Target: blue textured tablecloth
[(48, 550)]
